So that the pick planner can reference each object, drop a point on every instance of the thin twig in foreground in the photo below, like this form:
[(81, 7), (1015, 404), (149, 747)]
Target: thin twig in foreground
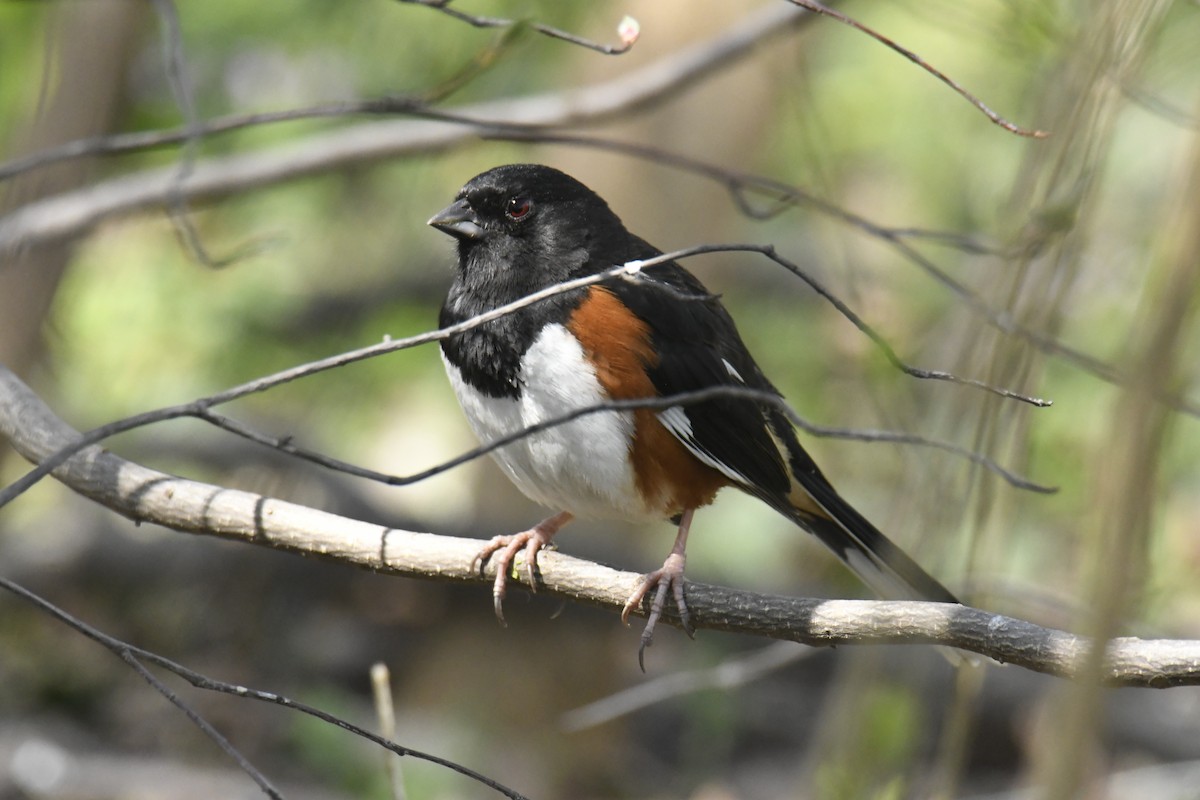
[(133, 655), (127, 654), (632, 271), (287, 444), (738, 184)]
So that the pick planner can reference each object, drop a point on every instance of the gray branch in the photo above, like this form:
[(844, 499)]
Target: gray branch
[(75, 212), (147, 495)]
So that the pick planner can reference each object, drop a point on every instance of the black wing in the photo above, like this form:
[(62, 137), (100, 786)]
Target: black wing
[(699, 347), (753, 443)]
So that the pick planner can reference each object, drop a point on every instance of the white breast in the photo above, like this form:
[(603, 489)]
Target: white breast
[(581, 466)]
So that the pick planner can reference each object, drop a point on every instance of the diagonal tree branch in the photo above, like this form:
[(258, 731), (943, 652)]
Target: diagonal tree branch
[(74, 213), (134, 656), (148, 495)]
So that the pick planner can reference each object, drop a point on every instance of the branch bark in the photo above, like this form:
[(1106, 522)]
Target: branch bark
[(147, 495)]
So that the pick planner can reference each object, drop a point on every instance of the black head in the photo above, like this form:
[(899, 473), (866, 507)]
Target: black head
[(520, 228), (529, 224)]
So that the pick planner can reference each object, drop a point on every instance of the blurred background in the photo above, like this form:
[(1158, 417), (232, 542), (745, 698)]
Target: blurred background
[(1065, 267)]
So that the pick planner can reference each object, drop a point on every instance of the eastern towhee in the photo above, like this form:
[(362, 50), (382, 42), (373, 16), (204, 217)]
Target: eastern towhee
[(524, 227)]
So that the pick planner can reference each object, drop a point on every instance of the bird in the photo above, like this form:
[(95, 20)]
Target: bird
[(521, 228)]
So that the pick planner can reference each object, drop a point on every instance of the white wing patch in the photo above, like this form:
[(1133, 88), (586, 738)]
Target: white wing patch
[(675, 419), (733, 372)]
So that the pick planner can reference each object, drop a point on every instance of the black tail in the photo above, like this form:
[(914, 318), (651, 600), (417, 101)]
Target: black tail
[(872, 556), (883, 566), (813, 504)]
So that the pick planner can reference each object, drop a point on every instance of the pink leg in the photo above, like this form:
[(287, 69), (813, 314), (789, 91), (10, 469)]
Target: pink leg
[(669, 577), (532, 541)]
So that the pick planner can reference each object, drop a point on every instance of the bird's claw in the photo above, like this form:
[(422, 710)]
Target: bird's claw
[(668, 578), (532, 541)]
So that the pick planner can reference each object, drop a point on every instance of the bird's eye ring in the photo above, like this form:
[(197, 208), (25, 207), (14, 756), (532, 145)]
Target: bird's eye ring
[(518, 207)]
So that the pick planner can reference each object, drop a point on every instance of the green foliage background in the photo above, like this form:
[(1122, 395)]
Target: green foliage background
[(1082, 226)]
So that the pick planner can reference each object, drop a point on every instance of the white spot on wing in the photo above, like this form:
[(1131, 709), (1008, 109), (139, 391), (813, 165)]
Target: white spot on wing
[(675, 420), (732, 371)]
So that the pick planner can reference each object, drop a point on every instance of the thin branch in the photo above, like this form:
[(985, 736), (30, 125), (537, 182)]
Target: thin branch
[(142, 141), (127, 655), (818, 8), (546, 30), (484, 60), (134, 655), (884, 347), (862, 435), (738, 184), (287, 444), (189, 506), (733, 672), (742, 185), (73, 213), (200, 408), (175, 69)]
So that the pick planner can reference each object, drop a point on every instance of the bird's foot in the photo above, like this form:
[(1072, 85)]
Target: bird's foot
[(531, 541), (668, 578)]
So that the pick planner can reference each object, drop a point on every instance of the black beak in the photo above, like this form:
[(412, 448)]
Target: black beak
[(458, 220)]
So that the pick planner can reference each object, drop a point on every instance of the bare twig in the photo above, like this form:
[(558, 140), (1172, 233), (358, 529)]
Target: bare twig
[(201, 408), (175, 68), (147, 495), (73, 213), (130, 657), (975, 457), (735, 671), (287, 444), (881, 343), (818, 8), (135, 655), (546, 30), (121, 143), (740, 184)]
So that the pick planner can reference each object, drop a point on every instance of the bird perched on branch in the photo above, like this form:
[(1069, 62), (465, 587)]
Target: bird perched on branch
[(652, 334)]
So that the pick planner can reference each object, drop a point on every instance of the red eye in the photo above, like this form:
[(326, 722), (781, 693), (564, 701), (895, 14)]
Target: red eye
[(518, 207)]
